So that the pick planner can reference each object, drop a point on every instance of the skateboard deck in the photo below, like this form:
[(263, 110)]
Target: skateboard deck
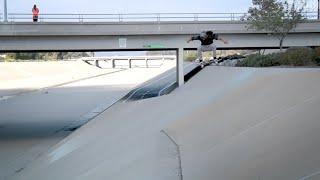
[(206, 63)]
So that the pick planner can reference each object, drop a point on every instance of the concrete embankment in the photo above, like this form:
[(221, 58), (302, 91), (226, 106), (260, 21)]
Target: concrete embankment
[(20, 77), (33, 121), (228, 123)]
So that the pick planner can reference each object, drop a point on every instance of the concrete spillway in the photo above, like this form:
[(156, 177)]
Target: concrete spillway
[(229, 123), (40, 102)]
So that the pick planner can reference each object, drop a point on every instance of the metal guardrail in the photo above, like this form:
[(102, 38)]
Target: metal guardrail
[(144, 17), (112, 59), (136, 17)]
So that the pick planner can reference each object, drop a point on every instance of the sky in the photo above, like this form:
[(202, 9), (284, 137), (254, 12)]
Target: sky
[(134, 6), (128, 6)]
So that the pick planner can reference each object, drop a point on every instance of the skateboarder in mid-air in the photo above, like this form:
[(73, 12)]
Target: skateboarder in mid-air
[(206, 38)]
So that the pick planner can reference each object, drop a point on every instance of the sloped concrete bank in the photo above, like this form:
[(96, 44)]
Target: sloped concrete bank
[(229, 123)]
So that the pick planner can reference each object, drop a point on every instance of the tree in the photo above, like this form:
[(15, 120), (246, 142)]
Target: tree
[(276, 17)]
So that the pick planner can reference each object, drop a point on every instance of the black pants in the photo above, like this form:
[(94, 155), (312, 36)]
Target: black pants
[(35, 18)]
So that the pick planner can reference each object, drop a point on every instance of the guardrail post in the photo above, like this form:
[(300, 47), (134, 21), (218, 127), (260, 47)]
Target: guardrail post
[(97, 63), (120, 18), (158, 17), (180, 78), (146, 59), (162, 61), (80, 18), (129, 60), (113, 63), (195, 17)]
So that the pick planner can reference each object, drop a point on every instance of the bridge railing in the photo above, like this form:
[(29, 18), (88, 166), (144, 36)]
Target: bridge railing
[(135, 17), (110, 61)]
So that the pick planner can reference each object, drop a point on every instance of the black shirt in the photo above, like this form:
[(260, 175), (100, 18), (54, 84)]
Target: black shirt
[(206, 41)]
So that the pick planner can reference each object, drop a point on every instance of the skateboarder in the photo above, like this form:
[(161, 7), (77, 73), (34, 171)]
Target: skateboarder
[(206, 38)]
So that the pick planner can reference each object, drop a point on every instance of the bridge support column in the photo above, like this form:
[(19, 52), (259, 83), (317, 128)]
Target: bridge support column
[(180, 78)]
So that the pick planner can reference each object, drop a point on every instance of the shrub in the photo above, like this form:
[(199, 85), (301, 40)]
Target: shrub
[(257, 60), (190, 55), (249, 61), (301, 56), (317, 55), (232, 57)]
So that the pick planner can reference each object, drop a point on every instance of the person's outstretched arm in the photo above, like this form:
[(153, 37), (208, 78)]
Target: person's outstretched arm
[(223, 40), (193, 38), (190, 39)]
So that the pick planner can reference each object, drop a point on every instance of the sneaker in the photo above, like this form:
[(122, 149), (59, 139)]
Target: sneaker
[(198, 60), (212, 60), (202, 65)]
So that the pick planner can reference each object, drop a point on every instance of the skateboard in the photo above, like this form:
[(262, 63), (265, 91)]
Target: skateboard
[(207, 63)]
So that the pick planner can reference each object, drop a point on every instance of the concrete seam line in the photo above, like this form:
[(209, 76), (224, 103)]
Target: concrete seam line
[(166, 87), (179, 153), (310, 175), (82, 79)]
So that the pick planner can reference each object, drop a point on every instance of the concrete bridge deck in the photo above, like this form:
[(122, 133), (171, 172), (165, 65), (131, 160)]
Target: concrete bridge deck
[(17, 37), (142, 35), (136, 28)]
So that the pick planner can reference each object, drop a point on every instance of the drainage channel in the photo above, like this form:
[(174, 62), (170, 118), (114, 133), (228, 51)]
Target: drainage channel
[(161, 85), (158, 86)]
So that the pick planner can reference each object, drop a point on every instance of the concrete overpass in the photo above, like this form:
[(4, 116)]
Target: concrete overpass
[(126, 36), (24, 36)]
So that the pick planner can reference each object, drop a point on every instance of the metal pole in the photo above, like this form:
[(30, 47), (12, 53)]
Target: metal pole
[(5, 19), (318, 10)]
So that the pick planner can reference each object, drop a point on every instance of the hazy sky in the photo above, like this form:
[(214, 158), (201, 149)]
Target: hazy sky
[(128, 6), (132, 6)]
